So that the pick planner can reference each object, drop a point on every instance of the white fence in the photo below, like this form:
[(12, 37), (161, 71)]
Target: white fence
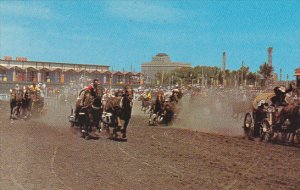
[(4, 97)]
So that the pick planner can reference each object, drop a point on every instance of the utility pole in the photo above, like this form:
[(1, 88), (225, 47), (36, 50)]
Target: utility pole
[(162, 77), (224, 68), (242, 79), (26, 75), (280, 74), (255, 75), (202, 78)]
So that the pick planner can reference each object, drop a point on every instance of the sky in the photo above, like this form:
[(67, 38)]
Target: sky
[(125, 34)]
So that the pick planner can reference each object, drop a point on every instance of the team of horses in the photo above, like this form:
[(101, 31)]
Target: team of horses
[(271, 122), (163, 108), (101, 111), (25, 103)]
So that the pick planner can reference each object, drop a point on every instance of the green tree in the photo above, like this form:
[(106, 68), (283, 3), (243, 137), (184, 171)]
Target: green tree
[(265, 70), (251, 78)]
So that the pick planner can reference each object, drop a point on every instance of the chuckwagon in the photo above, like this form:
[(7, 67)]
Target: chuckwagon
[(269, 121)]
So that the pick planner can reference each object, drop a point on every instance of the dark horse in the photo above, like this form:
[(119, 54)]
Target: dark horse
[(125, 114), (120, 108), (20, 103), (96, 112), (289, 123), (88, 114), (15, 103), (26, 103)]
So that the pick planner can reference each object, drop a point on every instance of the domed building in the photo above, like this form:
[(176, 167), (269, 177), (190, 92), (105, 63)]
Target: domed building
[(161, 62)]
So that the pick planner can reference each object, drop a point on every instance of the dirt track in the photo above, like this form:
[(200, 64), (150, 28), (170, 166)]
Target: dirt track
[(47, 154)]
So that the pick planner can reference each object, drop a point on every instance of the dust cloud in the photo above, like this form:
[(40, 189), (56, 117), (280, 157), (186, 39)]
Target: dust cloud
[(208, 114), (204, 114), (56, 114)]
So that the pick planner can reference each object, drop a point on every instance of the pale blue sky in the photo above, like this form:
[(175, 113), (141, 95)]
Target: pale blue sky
[(121, 33)]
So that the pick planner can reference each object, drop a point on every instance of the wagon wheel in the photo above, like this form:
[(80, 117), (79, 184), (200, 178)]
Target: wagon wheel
[(15, 114), (155, 121), (248, 126), (87, 137), (298, 134), (265, 131), (105, 127), (84, 132)]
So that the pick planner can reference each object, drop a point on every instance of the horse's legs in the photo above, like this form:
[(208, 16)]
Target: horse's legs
[(11, 111), (98, 126), (290, 137), (18, 109), (124, 130)]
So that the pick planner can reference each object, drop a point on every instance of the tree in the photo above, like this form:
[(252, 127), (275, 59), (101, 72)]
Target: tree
[(251, 78), (265, 70)]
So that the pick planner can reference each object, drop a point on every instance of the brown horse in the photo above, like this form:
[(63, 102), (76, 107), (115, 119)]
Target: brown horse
[(88, 112), (146, 103), (120, 109), (15, 103)]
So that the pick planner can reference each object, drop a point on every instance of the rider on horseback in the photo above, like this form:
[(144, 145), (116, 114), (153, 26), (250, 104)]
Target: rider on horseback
[(148, 95), (280, 103), (33, 87), (17, 87), (92, 89), (280, 94)]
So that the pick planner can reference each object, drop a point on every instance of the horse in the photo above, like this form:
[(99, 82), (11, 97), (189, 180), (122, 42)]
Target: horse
[(288, 124), (15, 103), (146, 103), (287, 118), (96, 112), (88, 113), (120, 109), (165, 114), (26, 103)]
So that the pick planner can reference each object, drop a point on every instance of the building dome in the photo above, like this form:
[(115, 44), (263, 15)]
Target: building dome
[(162, 55)]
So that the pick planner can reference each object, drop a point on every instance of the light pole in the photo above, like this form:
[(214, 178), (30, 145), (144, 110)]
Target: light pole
[(26, 75), (262, 78), (202, 78), (180, 83), (255, 75), (193, 82), (110, 81), (242, 80)]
